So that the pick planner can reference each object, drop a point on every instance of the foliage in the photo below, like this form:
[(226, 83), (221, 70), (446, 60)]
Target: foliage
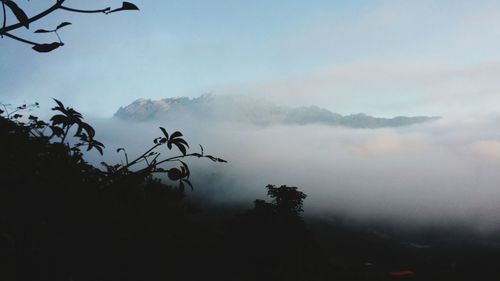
[(23, 20), (57, 212), (69, 121)]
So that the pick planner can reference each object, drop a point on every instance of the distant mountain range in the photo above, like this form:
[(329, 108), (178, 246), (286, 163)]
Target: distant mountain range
[(244, 109)]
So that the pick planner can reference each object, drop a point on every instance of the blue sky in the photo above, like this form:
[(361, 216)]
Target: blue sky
[(380, 57)]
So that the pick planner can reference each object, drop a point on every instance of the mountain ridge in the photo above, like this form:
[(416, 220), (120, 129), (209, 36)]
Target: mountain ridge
[(244, 109)]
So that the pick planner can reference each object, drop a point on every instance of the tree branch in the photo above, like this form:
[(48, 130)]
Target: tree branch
[(20, 39), (4, 15), (85, 11), (56, 6)]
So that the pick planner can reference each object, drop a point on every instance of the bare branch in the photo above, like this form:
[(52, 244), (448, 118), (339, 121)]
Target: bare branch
[(4, 15), (56, 6), (86, 11), (20, 39)]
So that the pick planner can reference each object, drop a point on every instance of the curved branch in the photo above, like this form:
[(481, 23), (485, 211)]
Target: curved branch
[(56, 6), (4, 15), (85, 11), (20, 39)]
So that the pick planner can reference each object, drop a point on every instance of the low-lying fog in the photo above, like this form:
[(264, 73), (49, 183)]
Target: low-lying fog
[(444, 172)]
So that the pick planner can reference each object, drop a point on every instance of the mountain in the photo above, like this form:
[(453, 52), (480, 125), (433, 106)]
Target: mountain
[(247, 110)]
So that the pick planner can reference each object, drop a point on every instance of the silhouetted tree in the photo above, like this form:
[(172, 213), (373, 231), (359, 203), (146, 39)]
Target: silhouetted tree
[(22, 19)]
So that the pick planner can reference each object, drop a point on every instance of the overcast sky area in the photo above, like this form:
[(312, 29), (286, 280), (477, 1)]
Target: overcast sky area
[(383, 58)]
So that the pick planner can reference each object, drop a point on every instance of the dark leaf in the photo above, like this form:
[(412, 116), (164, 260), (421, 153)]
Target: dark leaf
[(90, 131), (59, 119), (182, 141), (215, 159), (129, 6), (180, 147), (63, 24), (176, 134), (169, 145), (188, 183), (18, 12), (120, 149), (185, 166), (43, 31), (125, 6), (74, 113), (163, 140), (97, 143), (99, 149), (57, 131), (60, 106), (201, 149), (174, 174), (164, 132), (45, 48)]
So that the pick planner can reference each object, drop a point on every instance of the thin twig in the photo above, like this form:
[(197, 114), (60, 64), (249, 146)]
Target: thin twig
[(85, 11), (20, 39), (4, 15)]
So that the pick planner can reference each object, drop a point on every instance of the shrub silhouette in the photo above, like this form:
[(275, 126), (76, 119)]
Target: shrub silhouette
[(63, 218)]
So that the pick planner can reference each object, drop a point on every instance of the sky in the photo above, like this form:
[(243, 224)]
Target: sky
[(383, 58)]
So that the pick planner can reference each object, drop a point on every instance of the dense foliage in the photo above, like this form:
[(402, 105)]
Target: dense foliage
[(64, 219)]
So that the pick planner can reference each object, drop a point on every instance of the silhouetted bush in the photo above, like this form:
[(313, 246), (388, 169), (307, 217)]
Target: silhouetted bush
[(62, 218)]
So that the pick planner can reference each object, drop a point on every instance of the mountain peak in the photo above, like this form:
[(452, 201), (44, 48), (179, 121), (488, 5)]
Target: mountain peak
[(244, 109)]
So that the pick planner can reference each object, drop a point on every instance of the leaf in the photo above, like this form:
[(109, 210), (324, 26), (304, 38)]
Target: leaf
[(179, 140), (185, 166), (45, 48), (176, 134), (120, 149), (215, 159), (201, 147), (60, 105), (174, 174), (57, 131), (164, 132), (43, 31), (188, 183), (129, 6), (181, 148), (99, 149), (63, 24), (59, 119), (126, 6), (18, 12), (90, 131)]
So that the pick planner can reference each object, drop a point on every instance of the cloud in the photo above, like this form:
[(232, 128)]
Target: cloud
[(441, 172), (489, 149), (390, 88)]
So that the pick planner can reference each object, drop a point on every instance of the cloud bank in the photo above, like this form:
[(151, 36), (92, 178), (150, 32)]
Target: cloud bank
[(445, 172)]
